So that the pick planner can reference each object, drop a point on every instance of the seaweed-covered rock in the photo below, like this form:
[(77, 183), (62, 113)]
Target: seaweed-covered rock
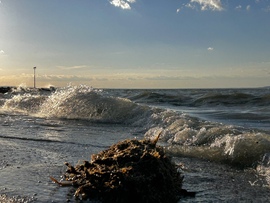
[(129, 171), (4, 90)]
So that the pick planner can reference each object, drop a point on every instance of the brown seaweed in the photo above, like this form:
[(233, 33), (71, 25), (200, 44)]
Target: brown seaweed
[(129, 171)]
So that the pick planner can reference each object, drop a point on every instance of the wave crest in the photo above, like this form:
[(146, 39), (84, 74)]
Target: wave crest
[(187, 136), (83, 102)]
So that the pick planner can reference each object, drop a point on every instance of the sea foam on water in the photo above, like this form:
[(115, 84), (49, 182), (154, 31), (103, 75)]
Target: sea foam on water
[(228, 127)]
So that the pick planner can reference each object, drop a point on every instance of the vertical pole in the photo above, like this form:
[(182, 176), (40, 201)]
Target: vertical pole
[(35, 77)]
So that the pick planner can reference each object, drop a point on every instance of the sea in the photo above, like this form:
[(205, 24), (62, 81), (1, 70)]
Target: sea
[(219, 137)]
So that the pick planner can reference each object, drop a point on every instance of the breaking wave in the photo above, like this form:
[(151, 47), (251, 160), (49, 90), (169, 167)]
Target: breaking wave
[(76, 102), (87, 103), (183, 135), (180, 133)]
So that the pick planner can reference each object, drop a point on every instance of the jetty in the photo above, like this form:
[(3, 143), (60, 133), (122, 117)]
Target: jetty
[(9, 89), (6, 89)]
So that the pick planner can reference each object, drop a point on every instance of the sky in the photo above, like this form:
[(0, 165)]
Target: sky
[(135, 43)]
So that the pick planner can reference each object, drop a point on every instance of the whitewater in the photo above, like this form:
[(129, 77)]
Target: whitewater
[(219, 137)]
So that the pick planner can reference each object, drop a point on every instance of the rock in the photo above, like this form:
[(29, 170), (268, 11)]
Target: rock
[(4, 90)]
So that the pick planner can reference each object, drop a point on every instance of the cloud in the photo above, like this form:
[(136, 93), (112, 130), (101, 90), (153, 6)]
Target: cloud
[(68, 78), (3, 53), (210, 49), (71, 67), (165, 77), (123, 4), (248, 7), (267, 9), (238, 7), (214, 5), (191, 6)]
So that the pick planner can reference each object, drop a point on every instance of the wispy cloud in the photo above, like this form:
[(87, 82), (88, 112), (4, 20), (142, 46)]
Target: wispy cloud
[(267, 9), (203, 5), (123, 4), (3, 53), (210, 49), (165, 77), (71, 67), (239, 7), (68, 78), (214, 5)]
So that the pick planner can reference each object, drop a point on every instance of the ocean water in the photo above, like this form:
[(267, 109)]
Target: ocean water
[(220, 137)]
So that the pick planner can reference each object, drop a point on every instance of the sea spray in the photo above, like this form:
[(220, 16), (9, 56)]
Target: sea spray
[(263, 168), (183, 134), (82, 102), (25, 103), (188, 136)]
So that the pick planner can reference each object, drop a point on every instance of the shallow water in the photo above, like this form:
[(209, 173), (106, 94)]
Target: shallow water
[(222, 162), (34, 152)]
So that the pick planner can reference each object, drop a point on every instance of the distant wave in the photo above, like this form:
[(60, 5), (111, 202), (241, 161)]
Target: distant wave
[(196, 98), (156, 97), (232, 99)]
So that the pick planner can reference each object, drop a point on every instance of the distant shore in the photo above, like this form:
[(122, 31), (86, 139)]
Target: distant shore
[(6, 89)]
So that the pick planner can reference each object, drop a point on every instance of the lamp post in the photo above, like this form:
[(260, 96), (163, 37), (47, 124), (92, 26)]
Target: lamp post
[(34, 77)]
